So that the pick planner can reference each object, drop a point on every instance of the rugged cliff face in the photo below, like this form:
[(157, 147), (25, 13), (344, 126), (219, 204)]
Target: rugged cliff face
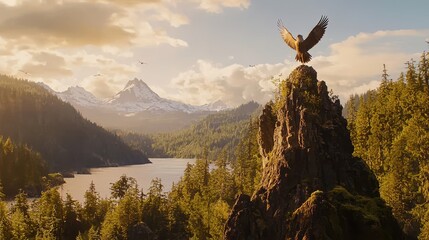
[(312, 187)]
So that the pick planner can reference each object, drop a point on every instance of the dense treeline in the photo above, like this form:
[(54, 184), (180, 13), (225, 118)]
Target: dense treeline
[(389, 128), (29, 114), (196, 208), (17, 159), (215, 133)]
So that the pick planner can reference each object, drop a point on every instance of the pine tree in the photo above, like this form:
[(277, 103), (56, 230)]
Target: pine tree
[(154, 209), (5, 223), (72, 225), (120, 187), (423, 75), (90, 207), (411, 75), (49, 215), (23, 226)]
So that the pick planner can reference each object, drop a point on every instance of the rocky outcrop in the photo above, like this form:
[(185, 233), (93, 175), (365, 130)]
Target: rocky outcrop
[(312, 187)]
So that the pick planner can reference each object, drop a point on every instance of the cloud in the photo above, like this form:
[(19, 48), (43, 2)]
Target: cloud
[(62, 69), (50, 65), (352, 66), (216, 6), (151, 37), (233, 84), (162, 12), (130, 2), (63, 24), (113, 74), (78, 23), (355, 64)]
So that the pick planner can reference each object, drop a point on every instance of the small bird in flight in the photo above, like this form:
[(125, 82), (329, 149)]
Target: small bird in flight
[(251, 65), (97, 75), (26, 73), (142, 62), (303, 45)]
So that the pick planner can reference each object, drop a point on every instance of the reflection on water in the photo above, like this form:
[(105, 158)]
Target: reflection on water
[(169, 170)]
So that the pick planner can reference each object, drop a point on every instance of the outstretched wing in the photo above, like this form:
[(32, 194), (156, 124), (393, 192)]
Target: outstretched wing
[(286, 35), (316, 34)]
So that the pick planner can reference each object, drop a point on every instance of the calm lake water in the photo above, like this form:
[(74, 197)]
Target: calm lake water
[(169, 170)]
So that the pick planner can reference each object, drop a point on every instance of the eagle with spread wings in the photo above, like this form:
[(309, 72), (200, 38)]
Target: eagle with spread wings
[(303, 45)]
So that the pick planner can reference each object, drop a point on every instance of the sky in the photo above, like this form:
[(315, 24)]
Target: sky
[(201, 51)]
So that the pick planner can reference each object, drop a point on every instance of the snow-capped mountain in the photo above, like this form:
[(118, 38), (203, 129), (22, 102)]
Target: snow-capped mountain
[(135, 90), (214, 106), (136, 108), (134, 98), (79, 96), (137, 97)]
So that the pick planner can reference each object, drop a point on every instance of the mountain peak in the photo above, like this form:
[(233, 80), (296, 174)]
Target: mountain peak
[(216, 106), (136, 82), (80, 96), (76, 89), (135, 91)]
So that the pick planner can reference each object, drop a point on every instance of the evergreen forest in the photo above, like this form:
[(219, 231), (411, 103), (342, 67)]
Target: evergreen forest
[(389, 128)]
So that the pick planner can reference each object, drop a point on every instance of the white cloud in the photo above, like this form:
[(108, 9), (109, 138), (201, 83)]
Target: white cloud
[(356, 63), (165, 13), (216, 6), (353, 66), (9, 2), (113, 74), (233, 84), (62, 69)]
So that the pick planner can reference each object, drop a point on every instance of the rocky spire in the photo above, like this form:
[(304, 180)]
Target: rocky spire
[(312, 187)]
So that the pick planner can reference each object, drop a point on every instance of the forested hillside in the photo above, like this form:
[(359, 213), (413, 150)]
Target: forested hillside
[(20, 168), (31, 115), (215, 133), (390, 130)]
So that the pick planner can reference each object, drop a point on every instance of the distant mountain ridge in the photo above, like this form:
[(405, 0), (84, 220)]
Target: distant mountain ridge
[(135, 97), (136, 108), (78, 95)]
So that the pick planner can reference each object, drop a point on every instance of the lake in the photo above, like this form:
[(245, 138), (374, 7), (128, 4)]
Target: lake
[(169, 170)]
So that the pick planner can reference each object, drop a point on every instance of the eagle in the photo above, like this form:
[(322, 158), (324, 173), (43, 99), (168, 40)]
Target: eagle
[(303, 45)]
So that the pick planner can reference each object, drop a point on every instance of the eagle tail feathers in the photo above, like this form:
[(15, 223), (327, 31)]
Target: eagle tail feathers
[(303, 57)]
